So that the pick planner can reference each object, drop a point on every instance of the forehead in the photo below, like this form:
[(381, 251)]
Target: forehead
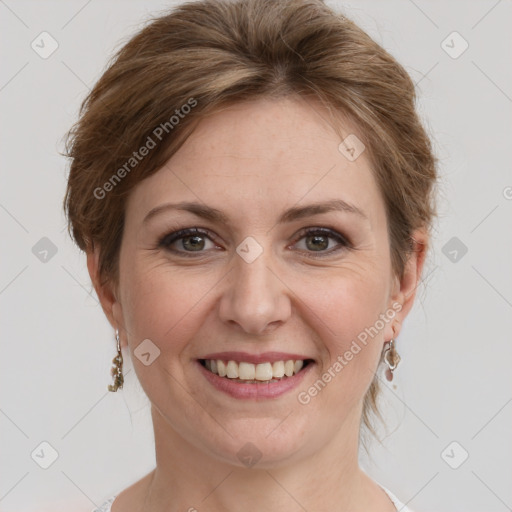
[(263, 155), (272, 131)]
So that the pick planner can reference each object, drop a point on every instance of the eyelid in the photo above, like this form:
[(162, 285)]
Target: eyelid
[(179, 234), (333, 233), (344, 243)]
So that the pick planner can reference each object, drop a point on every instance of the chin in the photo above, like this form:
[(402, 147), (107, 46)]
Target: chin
[(262, 444)]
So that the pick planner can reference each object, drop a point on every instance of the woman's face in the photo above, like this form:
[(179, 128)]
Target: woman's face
[(267, 277)]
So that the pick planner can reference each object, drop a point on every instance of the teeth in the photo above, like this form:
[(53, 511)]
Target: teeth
[(278, 369), (263, 372), (221, 368), (232, 370), (246, 371)]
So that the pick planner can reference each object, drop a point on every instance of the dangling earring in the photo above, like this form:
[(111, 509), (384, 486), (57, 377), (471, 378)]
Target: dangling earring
[(392, 359), (117, 367)]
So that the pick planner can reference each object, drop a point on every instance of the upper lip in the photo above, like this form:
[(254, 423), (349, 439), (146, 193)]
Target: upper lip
[(264, 357)]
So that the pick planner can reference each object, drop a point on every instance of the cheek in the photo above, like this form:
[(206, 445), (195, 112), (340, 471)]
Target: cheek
[(345, 314), (162, 304), (347, 303)]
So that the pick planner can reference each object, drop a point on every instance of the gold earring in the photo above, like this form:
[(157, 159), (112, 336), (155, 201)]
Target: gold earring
[(392, 359), (117, 368)]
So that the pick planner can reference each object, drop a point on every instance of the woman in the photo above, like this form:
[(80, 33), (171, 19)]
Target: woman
[(254, 192)]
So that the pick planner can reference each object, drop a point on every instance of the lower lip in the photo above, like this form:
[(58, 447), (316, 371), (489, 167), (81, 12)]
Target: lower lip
[(255, 391)]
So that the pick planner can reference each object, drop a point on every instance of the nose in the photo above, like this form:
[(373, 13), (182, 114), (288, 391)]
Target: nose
[(255, 300)]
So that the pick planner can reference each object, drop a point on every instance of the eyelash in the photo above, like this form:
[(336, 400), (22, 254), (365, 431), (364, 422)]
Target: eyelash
[(170, 238)]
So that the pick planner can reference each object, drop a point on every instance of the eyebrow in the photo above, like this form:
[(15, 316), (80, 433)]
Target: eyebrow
[(294, 213)]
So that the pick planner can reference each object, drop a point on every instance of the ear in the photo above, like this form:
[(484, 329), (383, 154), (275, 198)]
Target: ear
[(404, 291), (106, 293)]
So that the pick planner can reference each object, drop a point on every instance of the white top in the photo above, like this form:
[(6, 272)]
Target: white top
[(400, 507)]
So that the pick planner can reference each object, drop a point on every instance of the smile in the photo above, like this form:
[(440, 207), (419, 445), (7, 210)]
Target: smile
[(259, 380), (250, 373)]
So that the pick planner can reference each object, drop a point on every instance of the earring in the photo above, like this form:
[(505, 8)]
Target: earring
[(117, 368), (392, 359)]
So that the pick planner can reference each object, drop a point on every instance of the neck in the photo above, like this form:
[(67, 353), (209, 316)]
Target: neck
[(187, 478)]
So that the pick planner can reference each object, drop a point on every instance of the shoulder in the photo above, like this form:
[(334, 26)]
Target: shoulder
[(130, 499), (106, 506), (398, 504)]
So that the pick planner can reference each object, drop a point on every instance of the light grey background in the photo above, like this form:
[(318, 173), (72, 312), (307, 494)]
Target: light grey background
[(454, 382)]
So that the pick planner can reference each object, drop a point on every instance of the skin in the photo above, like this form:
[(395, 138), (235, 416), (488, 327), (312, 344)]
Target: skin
[(253, 161)]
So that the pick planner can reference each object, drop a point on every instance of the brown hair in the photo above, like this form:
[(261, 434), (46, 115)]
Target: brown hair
[(212, 53)]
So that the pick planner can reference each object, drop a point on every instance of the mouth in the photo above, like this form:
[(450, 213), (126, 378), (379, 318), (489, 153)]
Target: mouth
[(259, 377), (244, 372)]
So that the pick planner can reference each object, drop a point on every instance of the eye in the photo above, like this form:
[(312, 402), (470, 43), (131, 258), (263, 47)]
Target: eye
[(322, 240), (187, 240)]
